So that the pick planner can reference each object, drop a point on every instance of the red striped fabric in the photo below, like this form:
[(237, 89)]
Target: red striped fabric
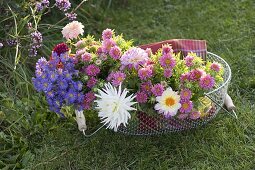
[(181, 45)]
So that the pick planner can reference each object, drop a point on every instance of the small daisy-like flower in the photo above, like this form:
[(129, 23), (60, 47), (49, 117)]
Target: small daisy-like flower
[(86, 57), (71, 96), (184, 77), (115, 52), (168, 103), (91, 82), (118, 78), (166, 49), (98, 62), (189, 60), (72, 30), (107, 45), (141, 97), (107, 34), (168, 72), (215, 67), (167, 61), (186, 106), (157, 89), (144, 73), (146, 87), (196, 74), (114, 106), (206, 82), (92, 70), (195, 115), (185, 94)]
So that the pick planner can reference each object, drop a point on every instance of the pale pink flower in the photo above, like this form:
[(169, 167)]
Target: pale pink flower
[(72, 30)]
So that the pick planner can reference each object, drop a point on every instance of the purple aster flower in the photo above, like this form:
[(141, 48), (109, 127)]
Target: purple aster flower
[(115, 52), (118, 77), (195, 115), (67, 75), (78, 85), (86, 57), (92, 70), (62, 84), (51, 65), (80, 97), (50, 94), (186, 106), (63, 5), (71, 97), (146, 87), (167, 61), (196, 74), (53, 76), (215, 67), (46, 86), (64, 57), (144, 73), (168, 72), (41, 63), (157, 89), (141, 97), (71, 16), (185, 94), (189, 60), (206, 82), (91, 82), (107, 34)]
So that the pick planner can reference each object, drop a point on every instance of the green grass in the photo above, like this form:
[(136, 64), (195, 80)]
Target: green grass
[(225, 143)]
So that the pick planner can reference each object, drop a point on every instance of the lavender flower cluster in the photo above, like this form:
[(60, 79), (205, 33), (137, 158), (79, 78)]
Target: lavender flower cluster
[(36, 39), (55, 79)]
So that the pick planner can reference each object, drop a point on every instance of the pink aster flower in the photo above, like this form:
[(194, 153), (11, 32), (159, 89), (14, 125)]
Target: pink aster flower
[(185, 77), (92, 70), (141, 97), (166, 49), (148, 51), (215, 67), (195, 115), (167, 61), (157, 89), (107, 34), (99, 50), (189, 60), (72, 30), (107, 45), (115, 52), (91, 82), (186, 106), (80, 52), (185, 94), (79, 44), (168, 72), (144, 73), (196, 74), (207, 82), (118, 78), (86, 57), (146, 87)]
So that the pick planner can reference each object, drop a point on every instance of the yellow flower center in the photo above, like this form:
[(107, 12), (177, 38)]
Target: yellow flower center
[(185, 106), (169, 101), (168, 61)]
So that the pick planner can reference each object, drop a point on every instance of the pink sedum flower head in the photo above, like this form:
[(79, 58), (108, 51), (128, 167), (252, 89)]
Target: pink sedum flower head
[(92, 70), (141, 97), (189, 60), (134, 57), (115, 52), (72, 30), (86, 57), (215, 67), (196, 74), (144, 73), (185, 94), (167, 61), (107, 34), (168, 72), (157, 89), (207, 82), (195, 115), (186, 106)]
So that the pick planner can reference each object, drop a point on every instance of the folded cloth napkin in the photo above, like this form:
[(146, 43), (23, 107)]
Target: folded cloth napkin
[(181, 45)]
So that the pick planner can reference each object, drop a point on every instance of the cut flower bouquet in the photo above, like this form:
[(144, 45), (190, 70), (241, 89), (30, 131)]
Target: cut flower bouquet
[(121, 82)]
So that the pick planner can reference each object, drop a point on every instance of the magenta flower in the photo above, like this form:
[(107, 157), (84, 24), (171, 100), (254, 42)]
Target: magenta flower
[(195, 115), (91, 82), (167, 61), (207, 82), (107, 34), (86, 57), (141, 97), (115, 52), (185, 77), (118, 78), (107, 45), (166, 49), (88, 99), (157, 89), (186, 107), (215, 67), (92, 70), (144, 73), (99, 50), (168, 72), (146, 87), (185, 94), (189, 60), (196, 74)]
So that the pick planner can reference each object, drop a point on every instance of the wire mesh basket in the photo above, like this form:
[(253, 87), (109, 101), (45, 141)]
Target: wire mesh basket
[(153, 125)]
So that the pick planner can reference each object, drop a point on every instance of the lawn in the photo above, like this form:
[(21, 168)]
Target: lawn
[(224, 143)]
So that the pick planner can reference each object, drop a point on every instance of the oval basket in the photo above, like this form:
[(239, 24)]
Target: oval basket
[(153, 125)]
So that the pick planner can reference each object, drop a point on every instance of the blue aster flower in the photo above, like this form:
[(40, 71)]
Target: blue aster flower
[(78, 85), (67, 75), (46, 86), (62, 84), (71, 97), (52, 64), (53, 76), (37, 84), (80, 97), (50, 94), (64, 57), (54, 55)]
